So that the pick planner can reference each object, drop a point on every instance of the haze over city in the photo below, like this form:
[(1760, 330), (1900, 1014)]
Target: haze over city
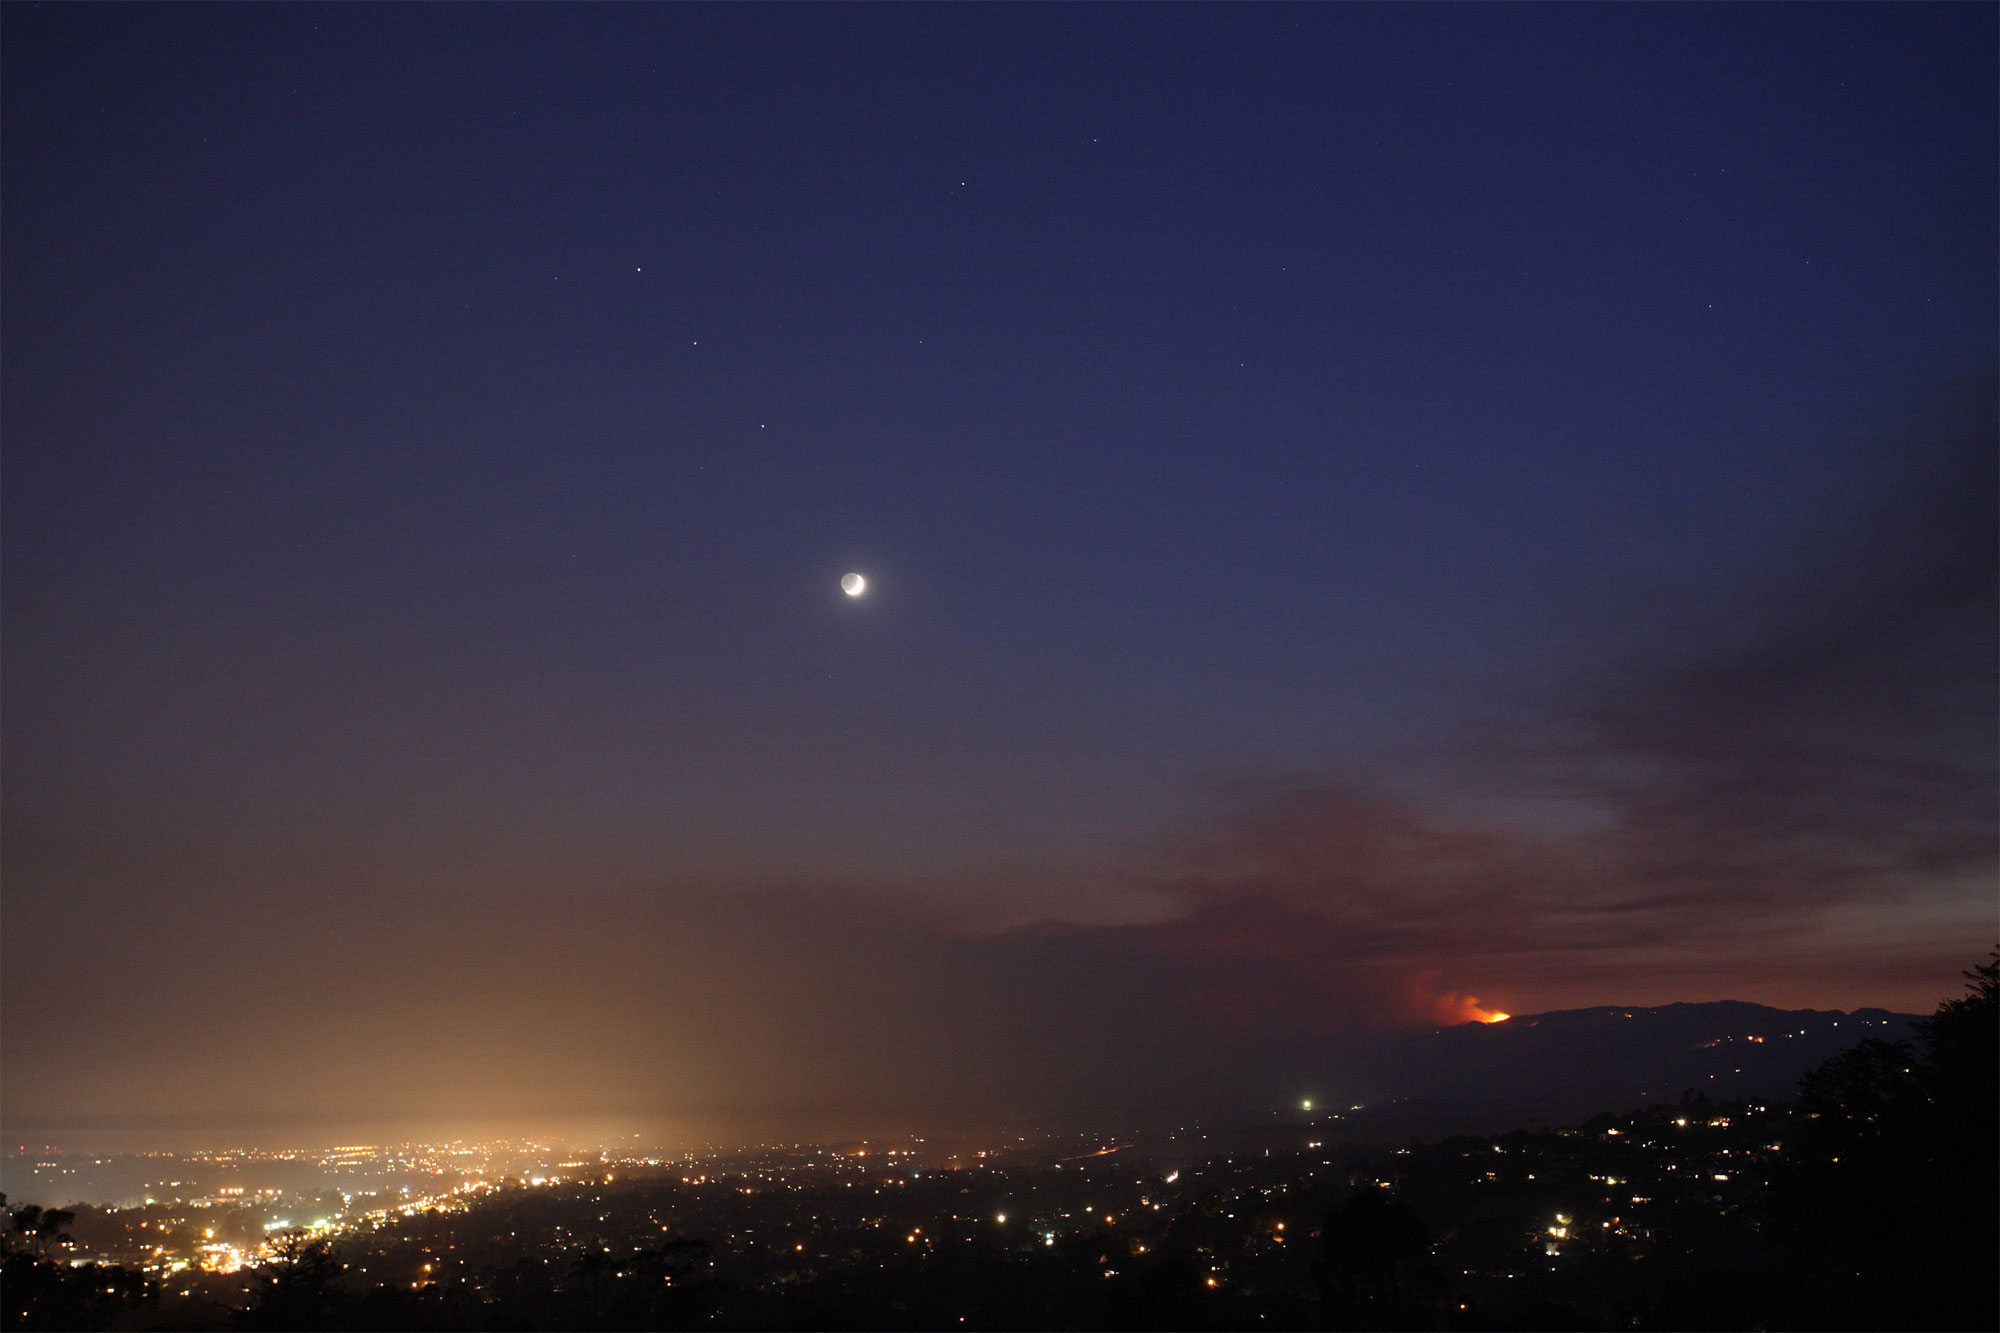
[(1371, 518)]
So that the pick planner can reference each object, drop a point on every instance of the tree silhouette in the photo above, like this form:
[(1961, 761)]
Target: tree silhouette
[(37, 1291), (299, 1287), (1962, 1069), (1890, 1190), (591, 1268), (1375, 1269), (32, 1228), (1961, 1081)]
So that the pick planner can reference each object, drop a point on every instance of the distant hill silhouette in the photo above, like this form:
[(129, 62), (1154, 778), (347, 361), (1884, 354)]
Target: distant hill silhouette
[(1565, 1065)]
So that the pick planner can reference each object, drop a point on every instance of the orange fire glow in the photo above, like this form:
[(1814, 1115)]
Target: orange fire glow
[(1451, 1007)]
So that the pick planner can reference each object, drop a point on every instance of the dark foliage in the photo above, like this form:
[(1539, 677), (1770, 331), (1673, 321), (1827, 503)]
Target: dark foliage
[(300, 1289), (1891, 1199), (38, 1293), (1375, 1268)]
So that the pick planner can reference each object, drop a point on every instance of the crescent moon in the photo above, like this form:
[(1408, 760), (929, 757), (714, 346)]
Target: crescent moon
[(853, 584)]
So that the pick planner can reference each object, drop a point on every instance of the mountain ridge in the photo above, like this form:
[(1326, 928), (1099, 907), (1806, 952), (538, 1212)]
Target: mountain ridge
[(1564, 1065)]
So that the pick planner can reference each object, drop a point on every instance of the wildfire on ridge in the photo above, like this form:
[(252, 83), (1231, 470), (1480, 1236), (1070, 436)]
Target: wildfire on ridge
[(1427, 998), (1452, 1007)]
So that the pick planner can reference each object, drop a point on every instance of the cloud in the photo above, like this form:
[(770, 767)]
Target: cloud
[(1800, 772), (1831, 737)]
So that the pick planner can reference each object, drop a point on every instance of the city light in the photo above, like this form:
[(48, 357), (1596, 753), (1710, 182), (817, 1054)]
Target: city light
[(853, 1217)]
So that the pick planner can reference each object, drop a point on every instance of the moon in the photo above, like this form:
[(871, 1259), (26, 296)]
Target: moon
[(853, 584)]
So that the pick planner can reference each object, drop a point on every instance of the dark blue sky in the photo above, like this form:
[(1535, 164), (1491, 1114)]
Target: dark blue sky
[(1361, 505)]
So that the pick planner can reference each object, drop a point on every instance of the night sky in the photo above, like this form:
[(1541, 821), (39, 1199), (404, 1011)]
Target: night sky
[(1370, 514)]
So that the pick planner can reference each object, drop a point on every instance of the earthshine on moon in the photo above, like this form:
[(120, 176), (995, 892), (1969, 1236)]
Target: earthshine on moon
[(853, 584)]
